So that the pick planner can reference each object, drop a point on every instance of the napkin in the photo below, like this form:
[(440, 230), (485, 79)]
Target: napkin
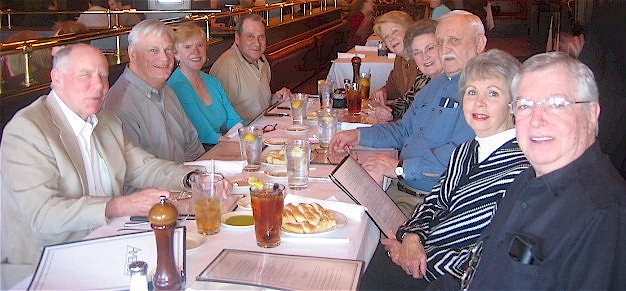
[(362, 48), (349, 55), (224, 167), (391, 55), (352, 211), (234, 131), (353, 125)]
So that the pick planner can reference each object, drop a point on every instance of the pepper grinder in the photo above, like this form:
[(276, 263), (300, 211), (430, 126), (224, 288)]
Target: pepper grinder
[(356, 68), (162, 218)]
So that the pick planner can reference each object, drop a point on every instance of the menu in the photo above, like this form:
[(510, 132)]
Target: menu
[(101, 263), (287, 272), (363, 189)]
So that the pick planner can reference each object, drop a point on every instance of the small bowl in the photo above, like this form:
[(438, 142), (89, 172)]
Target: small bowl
[(238, 219)]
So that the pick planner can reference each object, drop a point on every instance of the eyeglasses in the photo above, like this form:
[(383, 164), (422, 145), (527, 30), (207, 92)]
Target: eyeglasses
[(426, 51), (468, 275), (269, 128), (555, 105)]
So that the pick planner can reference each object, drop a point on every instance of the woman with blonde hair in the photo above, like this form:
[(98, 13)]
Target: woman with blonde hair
[(391, 27), (202, 96)]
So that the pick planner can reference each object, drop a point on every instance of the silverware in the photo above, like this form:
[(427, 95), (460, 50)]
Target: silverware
[(276, 114), (132, 229)]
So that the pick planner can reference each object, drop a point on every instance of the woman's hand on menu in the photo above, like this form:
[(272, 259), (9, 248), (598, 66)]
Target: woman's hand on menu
[(412, 257), (393, 248), (343, 140), (137, 203)]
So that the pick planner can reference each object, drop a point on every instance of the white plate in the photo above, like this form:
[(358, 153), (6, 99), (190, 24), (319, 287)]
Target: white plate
[(268, 165), (194, 240), (340, 219), (297, 130), (240, 182), (276, 175), (275, 142), (228, 215), (245, 202)]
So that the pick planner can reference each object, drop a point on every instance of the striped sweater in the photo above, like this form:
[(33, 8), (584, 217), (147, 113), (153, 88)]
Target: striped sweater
[(462, 204)]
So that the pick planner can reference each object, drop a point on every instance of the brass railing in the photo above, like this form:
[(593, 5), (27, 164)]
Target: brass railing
[(27, 47)]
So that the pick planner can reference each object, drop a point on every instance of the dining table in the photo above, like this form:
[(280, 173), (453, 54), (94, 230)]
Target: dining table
[(356, 239), (379, 67)]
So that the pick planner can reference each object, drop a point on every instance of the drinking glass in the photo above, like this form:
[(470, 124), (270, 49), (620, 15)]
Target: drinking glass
[(299, 105), (326, 125), (325, 91), (364, 81), (207, 189), (267, 210), (298, 153), (251, 144), (353, 97)]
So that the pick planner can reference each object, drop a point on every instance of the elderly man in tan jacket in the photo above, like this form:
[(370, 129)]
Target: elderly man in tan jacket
[(65, 164)]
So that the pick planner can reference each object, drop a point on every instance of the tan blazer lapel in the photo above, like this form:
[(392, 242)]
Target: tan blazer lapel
[(67, 137)]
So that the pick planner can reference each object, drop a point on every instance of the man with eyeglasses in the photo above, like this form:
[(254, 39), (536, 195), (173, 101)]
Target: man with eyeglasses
[(434, 124), (245, 72), (562, 222)]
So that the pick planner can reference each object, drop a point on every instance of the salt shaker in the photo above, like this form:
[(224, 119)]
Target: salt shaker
[(138, 276)]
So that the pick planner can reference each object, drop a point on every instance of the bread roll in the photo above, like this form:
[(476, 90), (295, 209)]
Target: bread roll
[(307, 218)]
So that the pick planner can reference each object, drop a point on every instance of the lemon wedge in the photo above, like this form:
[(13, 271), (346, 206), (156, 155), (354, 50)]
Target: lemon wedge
[(249, 137), (328, 118), (297, 152), (296, 104), (255, 182)]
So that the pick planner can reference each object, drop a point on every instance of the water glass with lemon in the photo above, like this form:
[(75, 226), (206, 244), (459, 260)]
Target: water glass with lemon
[(364, 82), (299, 105), (298, 153), (251, 144), (326, 125)]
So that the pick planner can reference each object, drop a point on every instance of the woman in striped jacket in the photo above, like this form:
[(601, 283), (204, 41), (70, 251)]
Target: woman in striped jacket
[(437, 239)]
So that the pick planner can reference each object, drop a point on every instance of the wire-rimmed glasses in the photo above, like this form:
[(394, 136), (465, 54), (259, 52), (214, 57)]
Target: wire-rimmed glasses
[(554, 105), (269, 127)]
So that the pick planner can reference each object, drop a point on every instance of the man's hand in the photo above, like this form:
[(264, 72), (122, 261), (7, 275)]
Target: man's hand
[(138, 203), (344, 139), (283, 94), (380, 165)]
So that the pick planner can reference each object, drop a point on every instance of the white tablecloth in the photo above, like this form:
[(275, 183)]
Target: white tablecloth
[(356, 241), (379, 67)]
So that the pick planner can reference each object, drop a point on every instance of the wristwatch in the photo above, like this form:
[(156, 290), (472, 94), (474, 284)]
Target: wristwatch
[(188, 178), (399, 170)]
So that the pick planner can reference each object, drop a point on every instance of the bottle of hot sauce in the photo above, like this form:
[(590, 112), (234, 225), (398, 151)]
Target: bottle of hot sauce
[(162, 218)]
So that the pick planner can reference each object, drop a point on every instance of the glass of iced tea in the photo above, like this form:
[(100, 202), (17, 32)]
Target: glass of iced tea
[(208, 189), (267, 209), (353, 98)]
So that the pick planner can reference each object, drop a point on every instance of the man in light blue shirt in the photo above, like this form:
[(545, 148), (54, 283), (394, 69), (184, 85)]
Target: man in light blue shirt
[(434, 124)]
